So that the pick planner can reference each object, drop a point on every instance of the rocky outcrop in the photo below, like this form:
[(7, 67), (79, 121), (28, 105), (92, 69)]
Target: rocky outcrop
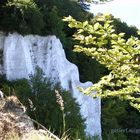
[(22, 54), (16, 125)]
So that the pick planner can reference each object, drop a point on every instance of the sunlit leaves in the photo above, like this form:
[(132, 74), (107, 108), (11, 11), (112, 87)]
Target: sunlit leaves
[(138, 32), (121, 34), (22, 4), (96, 26), (120, 56), (114, 36)]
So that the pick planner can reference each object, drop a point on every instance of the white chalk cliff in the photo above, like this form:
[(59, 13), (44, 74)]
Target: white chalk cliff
[(21, 55)]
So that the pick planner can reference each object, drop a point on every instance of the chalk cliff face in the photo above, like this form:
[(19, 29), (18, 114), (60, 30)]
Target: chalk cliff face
[(21, 55)]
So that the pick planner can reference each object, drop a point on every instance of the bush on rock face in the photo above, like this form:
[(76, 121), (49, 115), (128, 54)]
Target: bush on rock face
[(39, 97)]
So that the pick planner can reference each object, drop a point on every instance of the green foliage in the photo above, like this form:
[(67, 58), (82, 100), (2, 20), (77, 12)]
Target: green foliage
[(54, 23), (32, 21), (123, 27), (121, 58), (41, 103), (22, 16), (3, 81), (112, 109), (37, 16), (90, 70)]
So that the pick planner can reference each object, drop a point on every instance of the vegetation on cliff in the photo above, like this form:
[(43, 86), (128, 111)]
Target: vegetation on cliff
[(42, 104)]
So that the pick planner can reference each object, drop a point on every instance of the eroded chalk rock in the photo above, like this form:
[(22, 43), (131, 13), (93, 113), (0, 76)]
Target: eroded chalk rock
[(16, 125), (22, 54)]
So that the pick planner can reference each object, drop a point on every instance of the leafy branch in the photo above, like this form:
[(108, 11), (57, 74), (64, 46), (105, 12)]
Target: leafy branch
[(99, 41)]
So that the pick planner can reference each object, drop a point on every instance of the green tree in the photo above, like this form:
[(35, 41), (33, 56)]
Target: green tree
[(22, 16), (112, 109), (121, 58), (123, 27)]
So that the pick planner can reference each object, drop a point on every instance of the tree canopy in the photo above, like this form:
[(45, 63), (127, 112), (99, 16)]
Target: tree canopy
[(119, 55)]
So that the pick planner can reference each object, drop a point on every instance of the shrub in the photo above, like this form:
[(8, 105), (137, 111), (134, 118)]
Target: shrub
[(38, 95)]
